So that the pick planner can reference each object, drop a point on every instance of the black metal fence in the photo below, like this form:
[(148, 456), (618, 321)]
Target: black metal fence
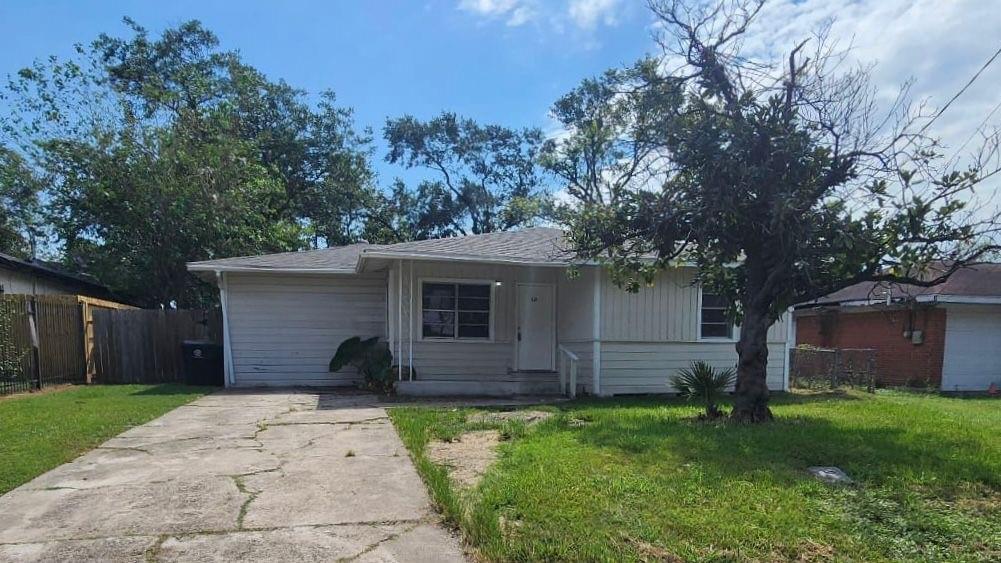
[(41, 343), (55, 339)]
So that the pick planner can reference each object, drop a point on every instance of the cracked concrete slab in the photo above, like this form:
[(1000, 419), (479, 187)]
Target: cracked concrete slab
[(112, 550), (235, 476), (380, 542)]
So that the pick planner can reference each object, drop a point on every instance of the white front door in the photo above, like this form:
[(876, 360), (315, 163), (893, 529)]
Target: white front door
[(536, 327)]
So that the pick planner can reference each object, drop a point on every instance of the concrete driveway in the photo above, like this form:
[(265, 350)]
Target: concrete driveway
[(235, 476)]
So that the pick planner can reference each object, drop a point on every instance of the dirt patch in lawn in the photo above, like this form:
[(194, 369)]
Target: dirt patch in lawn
[(467, 457), (528, 417)]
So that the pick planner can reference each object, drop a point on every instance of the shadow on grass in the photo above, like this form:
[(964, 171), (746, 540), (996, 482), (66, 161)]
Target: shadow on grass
[(666, 400), (175, 389), (782, 450)]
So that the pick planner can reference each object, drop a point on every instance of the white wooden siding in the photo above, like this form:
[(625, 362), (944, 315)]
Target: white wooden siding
[(469, 359), (14, 281), (284, 328), (972, 355), (645, 367), (666, 312), (575, 309)]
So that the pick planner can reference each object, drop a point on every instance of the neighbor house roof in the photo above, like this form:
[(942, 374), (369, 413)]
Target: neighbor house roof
[(975, 284), (51, 271)]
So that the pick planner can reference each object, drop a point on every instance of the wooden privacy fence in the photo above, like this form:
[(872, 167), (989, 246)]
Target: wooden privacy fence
[(42, 342), (144, 346)]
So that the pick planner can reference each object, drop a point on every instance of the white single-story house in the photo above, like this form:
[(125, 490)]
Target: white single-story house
[(496, 313)]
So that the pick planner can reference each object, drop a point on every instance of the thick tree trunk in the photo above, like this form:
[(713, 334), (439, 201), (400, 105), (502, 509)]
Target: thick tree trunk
[(751, 393)]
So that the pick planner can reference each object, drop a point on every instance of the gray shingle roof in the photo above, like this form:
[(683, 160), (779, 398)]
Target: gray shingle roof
[(338, 258), (540, 245), (981, 280)]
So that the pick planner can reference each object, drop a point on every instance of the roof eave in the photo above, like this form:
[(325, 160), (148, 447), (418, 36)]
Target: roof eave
[(965, 299), (203, 267), (439, 257)]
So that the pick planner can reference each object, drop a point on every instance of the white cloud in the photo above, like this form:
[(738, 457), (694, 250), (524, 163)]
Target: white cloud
[(938, 44), (589, 13), (514, 12), (585, 15)]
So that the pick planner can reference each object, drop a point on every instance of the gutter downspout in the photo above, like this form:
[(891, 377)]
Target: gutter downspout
[(596, 334), (790, 343), (227, 347), (410, 327), (399, 316)]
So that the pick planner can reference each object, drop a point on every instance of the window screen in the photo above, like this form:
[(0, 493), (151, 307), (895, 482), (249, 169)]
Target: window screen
[(713, 321), (455, 310)]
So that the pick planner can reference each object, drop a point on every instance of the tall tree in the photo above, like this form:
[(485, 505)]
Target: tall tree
[(160, 150), (19, 205), (487, 177), (780, 181)]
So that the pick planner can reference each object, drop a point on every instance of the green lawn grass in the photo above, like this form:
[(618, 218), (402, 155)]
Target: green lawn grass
[(40, 431), (638, 479)]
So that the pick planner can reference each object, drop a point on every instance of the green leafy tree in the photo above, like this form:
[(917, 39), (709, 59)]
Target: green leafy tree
[(780, 182), (19, 205), (487, 176), (160, 150)]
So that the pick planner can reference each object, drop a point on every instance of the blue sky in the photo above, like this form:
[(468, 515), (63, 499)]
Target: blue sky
[(382, 58), (506, 61)]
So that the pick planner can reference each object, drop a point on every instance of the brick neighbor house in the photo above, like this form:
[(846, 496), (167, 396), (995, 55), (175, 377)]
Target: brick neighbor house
[(947, 336)]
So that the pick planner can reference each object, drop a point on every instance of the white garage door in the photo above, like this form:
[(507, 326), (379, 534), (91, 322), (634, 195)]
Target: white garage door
[(972, 348), (284, 328)]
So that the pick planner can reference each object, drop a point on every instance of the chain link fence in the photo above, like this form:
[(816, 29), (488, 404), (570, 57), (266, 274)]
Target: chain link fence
[(827, 368)]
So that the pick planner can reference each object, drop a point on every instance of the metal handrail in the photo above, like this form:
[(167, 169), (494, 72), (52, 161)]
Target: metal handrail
[(567, 351)]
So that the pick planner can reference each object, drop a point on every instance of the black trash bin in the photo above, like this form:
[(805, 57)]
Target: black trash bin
[(202, 363)]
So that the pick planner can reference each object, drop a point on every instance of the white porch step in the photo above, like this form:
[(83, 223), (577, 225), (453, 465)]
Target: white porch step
[(427, 388), (546, 376)]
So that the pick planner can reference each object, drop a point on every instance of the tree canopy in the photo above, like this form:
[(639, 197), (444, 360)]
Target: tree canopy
[(780, 180), (487, 175), (143, 152), (19, 188), (155, 151)]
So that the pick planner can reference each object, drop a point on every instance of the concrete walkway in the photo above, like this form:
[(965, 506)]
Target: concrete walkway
[(235, 476)]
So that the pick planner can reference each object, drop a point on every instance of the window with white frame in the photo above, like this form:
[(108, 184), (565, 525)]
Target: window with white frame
[(712, 317), (455, 310)]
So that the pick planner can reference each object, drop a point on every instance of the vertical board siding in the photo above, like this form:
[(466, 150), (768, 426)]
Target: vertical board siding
[(646, 367), (575, 306), (285, 328), (666, 312)]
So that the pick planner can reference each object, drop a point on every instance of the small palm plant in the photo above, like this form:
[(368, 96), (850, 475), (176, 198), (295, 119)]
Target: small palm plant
[(703, 382)]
